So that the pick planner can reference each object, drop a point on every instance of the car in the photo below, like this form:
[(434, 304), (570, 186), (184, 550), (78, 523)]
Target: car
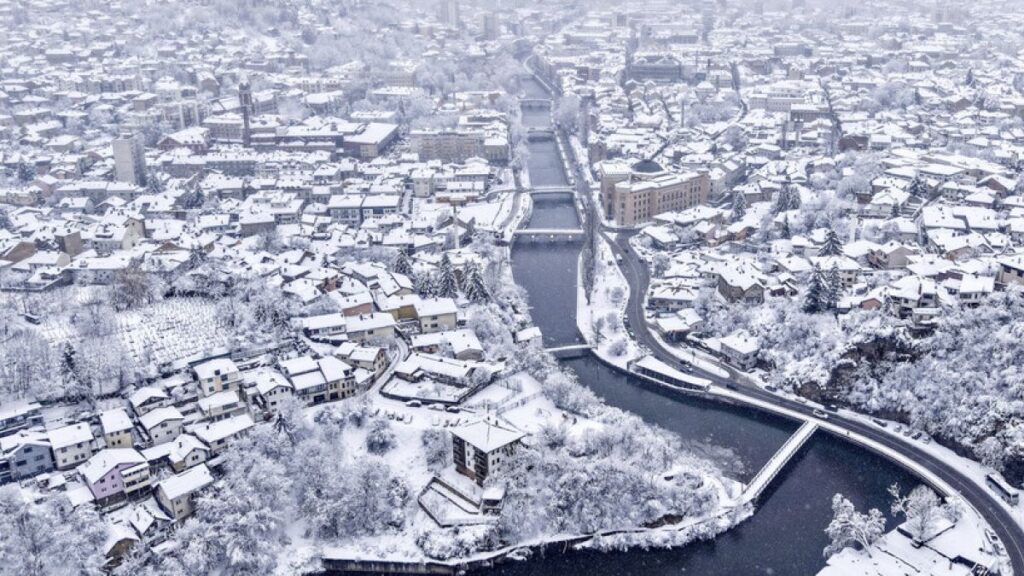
[(832, 408), (619, 258), (880, 423), (820, 414), (771, 388)]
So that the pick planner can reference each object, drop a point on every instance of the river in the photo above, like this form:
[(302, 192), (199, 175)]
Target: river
[(786, 535)]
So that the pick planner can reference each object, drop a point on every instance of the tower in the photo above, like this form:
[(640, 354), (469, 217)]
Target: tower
[(448, 13), (129, 160), (245, 103)]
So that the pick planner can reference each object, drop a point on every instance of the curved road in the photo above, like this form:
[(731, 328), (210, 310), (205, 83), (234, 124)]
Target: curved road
[(997, 516)]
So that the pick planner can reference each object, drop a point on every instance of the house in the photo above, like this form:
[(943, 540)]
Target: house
[(891, 255), (324, 326), (217, 375), (436, 314), (463, 344), (371, 358), (221, 405), (182, 453), (176, 494), (1011, 270), (72, 445), (117, 428), (25, 454), (114, 474), (739, 285), (375, 326), (268, 388), (162, 424), (482, 448), (319, 380), (148, 398), (740, 349), (439, 369), (19, 415), (217, 435)]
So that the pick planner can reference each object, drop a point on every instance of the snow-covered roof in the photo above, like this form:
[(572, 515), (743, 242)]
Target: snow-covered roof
[(487, 435), (192, 480)]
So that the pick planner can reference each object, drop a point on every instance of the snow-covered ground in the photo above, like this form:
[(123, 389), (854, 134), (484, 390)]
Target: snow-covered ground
[(894, 554), (165, 332), (600, 318), (519, 399)]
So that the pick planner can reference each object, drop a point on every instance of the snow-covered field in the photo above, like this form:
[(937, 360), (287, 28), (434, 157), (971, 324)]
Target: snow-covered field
[(164, 332)]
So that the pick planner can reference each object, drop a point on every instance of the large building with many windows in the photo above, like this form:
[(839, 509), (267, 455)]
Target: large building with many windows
[(635, 194)]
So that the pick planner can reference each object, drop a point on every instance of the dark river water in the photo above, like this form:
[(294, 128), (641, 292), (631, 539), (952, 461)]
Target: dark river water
[(786, 534)]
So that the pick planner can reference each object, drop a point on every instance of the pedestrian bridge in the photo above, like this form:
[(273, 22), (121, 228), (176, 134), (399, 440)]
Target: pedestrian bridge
[(548, 234), (778, 461), (572, 351)]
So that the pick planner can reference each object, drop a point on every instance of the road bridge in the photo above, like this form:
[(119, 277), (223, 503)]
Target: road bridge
[(572, 351), (548, 234), (552, 190)]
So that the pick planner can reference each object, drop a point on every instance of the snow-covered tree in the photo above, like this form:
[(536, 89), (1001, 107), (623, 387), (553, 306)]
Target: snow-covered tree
[(816, 299), (447, 283), (921, 509), (850, 527), (739, 205), (380, 438), (134, 287), (833, 246), (473, 285), (436, 449), (917, 188), (49, 537), (401, 264), (834, 288), (239, 526)]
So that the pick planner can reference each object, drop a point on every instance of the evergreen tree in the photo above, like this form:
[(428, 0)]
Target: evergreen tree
[(895, 209), (794, 198), (26, 173), (815, 296), (473, 284), (154, 183), (69, 367), (832, 246), (447, 282), (786, 232), (739, 205), (401, 265), (782, 200), (834, 289), (917, 188), (424, 285)]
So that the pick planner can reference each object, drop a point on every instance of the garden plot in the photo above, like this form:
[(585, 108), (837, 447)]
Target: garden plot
[(165, 332)]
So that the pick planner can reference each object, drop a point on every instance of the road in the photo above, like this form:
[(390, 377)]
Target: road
[(983, 500)]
